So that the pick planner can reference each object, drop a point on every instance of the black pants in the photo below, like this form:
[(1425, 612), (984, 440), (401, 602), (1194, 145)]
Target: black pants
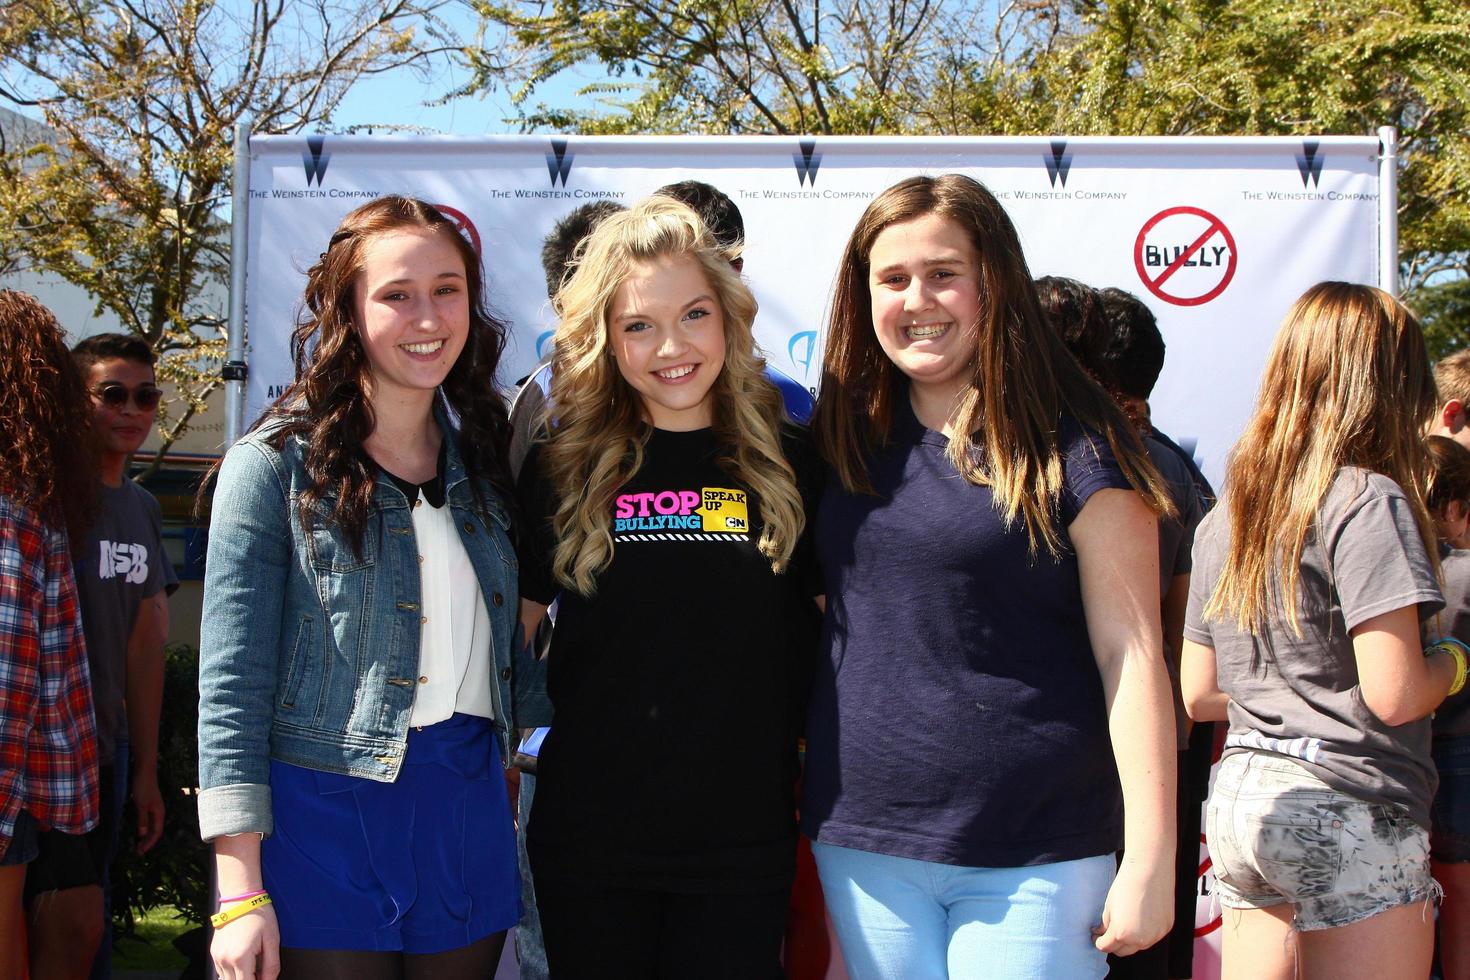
[(608, 930)]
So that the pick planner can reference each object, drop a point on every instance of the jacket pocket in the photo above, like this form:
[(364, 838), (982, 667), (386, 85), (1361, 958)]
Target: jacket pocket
[(296, 670)]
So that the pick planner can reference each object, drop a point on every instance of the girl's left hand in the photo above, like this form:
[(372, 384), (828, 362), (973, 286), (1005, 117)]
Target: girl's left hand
[(1139, 909)]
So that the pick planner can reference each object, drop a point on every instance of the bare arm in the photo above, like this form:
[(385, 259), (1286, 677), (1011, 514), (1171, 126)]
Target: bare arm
[(1116, 537), (249, 947), (144, 696), (1203, 698), (1398, 683)]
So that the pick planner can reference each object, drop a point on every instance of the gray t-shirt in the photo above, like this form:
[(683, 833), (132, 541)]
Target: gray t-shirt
[(1452, 719), (1176, 539), (1299, 696), (122, 564)]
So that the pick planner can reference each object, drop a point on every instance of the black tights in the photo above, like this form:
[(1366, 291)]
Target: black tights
[(474, 962)]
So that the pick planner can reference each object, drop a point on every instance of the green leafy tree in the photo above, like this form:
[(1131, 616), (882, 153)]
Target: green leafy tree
[(128, 197), (1259, 67), (721, 66)]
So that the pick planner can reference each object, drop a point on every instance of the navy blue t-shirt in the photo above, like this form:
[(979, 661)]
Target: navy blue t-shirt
[(958, 714)]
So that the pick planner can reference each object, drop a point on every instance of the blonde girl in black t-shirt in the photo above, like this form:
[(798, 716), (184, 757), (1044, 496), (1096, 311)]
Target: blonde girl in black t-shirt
[(664, 509), (1310, 581)]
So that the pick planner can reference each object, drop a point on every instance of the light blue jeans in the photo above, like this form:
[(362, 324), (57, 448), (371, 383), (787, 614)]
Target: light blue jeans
[(897, 917)]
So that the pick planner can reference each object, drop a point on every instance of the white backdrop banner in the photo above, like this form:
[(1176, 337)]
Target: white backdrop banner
[(1217, 235)]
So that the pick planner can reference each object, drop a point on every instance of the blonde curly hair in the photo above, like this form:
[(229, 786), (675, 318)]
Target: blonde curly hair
[(600, 432)]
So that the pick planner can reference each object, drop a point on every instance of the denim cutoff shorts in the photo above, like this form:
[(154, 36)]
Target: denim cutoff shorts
[(1278, 834), (1449, 842)]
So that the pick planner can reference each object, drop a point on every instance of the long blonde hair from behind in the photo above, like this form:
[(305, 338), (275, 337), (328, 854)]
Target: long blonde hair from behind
[(1022, 381), (600, 431), (1347, 383)]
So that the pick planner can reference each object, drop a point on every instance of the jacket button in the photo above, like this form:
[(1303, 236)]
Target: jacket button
[(424, 679), (469, 528), (505, 674), (499, 599), (423, 620)]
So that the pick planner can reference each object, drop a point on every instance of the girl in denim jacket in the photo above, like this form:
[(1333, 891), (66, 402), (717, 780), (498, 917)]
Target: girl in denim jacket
[(355, 663)]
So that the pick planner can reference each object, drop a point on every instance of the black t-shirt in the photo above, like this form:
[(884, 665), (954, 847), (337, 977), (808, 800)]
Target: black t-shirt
[(680, 687)]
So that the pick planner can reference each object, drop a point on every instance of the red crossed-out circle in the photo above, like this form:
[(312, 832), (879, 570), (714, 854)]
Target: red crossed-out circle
[(1217, 921), (462, 222), (1155, 284)]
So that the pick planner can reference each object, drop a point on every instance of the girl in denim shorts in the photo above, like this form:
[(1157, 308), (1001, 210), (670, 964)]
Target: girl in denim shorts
[(1303, 628), (1449, 839)]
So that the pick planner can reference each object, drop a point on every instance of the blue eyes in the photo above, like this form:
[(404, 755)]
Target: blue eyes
[(638, 326)]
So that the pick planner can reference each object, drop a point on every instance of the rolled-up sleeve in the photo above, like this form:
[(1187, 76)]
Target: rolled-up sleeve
[(246, 569)]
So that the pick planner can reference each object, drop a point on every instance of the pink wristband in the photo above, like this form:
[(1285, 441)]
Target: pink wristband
[(242, 897)]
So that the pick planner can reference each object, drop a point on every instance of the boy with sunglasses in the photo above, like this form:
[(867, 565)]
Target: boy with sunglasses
[(123, 580)]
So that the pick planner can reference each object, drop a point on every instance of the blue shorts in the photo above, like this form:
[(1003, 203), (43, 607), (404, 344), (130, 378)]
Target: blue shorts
[(1449, 842), (422, 865)]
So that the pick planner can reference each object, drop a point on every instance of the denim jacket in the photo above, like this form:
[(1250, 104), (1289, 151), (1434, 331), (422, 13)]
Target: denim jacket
[(309, 651)]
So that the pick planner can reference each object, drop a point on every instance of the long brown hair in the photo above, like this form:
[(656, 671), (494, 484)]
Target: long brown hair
[(1022, 381), (327, 404), (46, 437), (597, 445), (1347, 383)]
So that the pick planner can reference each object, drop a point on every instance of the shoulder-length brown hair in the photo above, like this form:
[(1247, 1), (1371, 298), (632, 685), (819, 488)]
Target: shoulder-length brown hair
[(327, 404), (1021, 383), (46, 437), (1347, 383)]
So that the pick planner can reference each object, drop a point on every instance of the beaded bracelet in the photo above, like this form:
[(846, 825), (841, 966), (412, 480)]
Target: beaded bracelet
[(230, 915)]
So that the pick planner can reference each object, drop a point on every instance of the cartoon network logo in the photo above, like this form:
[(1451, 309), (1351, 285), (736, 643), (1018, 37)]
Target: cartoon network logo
[(1309, 163), (808, 162), (1058, 162), (559, 162), (315, 159), (800, 349)]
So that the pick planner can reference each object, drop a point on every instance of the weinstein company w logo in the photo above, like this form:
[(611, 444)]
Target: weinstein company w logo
[(315, 159), (559, 162), (808, 161), (1058, 162), (1309, 163)]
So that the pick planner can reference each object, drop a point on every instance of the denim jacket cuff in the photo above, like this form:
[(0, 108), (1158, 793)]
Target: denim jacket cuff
[(239, 808)]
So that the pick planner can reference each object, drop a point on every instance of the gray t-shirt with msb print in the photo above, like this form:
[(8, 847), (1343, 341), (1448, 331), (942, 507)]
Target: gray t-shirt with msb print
[(1298, 696)]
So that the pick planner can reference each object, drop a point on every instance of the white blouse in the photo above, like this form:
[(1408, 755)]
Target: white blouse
[(454, 625)]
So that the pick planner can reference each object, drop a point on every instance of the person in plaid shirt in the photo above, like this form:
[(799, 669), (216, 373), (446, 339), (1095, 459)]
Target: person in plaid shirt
[(48, 743)]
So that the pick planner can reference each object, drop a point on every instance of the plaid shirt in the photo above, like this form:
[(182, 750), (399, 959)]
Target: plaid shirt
[(48, 734)]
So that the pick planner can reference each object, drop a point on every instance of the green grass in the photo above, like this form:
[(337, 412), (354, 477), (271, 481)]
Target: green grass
[(151, 945)]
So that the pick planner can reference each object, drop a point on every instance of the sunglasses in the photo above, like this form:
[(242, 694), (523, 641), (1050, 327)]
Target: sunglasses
[(115, 395)]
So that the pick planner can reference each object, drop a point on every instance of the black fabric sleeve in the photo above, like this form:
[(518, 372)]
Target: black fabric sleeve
[(536, 540)]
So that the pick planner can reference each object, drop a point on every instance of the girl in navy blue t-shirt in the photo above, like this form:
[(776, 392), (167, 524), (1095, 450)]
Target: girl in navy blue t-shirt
[(992, 633)]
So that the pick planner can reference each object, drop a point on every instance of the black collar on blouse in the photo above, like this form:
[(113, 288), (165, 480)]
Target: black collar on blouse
[(433, 491)]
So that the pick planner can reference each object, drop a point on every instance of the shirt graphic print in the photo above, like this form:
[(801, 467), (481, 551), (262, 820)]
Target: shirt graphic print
[(703, 514)]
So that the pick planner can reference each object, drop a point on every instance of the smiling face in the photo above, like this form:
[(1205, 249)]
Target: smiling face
[(667, 333), (411, 306), (122, 427), (924, 282)]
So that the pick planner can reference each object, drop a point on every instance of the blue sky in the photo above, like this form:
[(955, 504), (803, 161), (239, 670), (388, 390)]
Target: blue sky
[(401, 98)]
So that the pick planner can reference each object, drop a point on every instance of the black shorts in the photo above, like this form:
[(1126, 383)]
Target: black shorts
[(76, 860)]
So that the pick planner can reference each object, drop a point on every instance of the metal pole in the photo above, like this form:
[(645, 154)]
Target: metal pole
[(1388, 210), (234, 370)]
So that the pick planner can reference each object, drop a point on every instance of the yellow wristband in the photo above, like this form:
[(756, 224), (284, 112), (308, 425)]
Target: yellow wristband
[(231, 914), (1461, 655)]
